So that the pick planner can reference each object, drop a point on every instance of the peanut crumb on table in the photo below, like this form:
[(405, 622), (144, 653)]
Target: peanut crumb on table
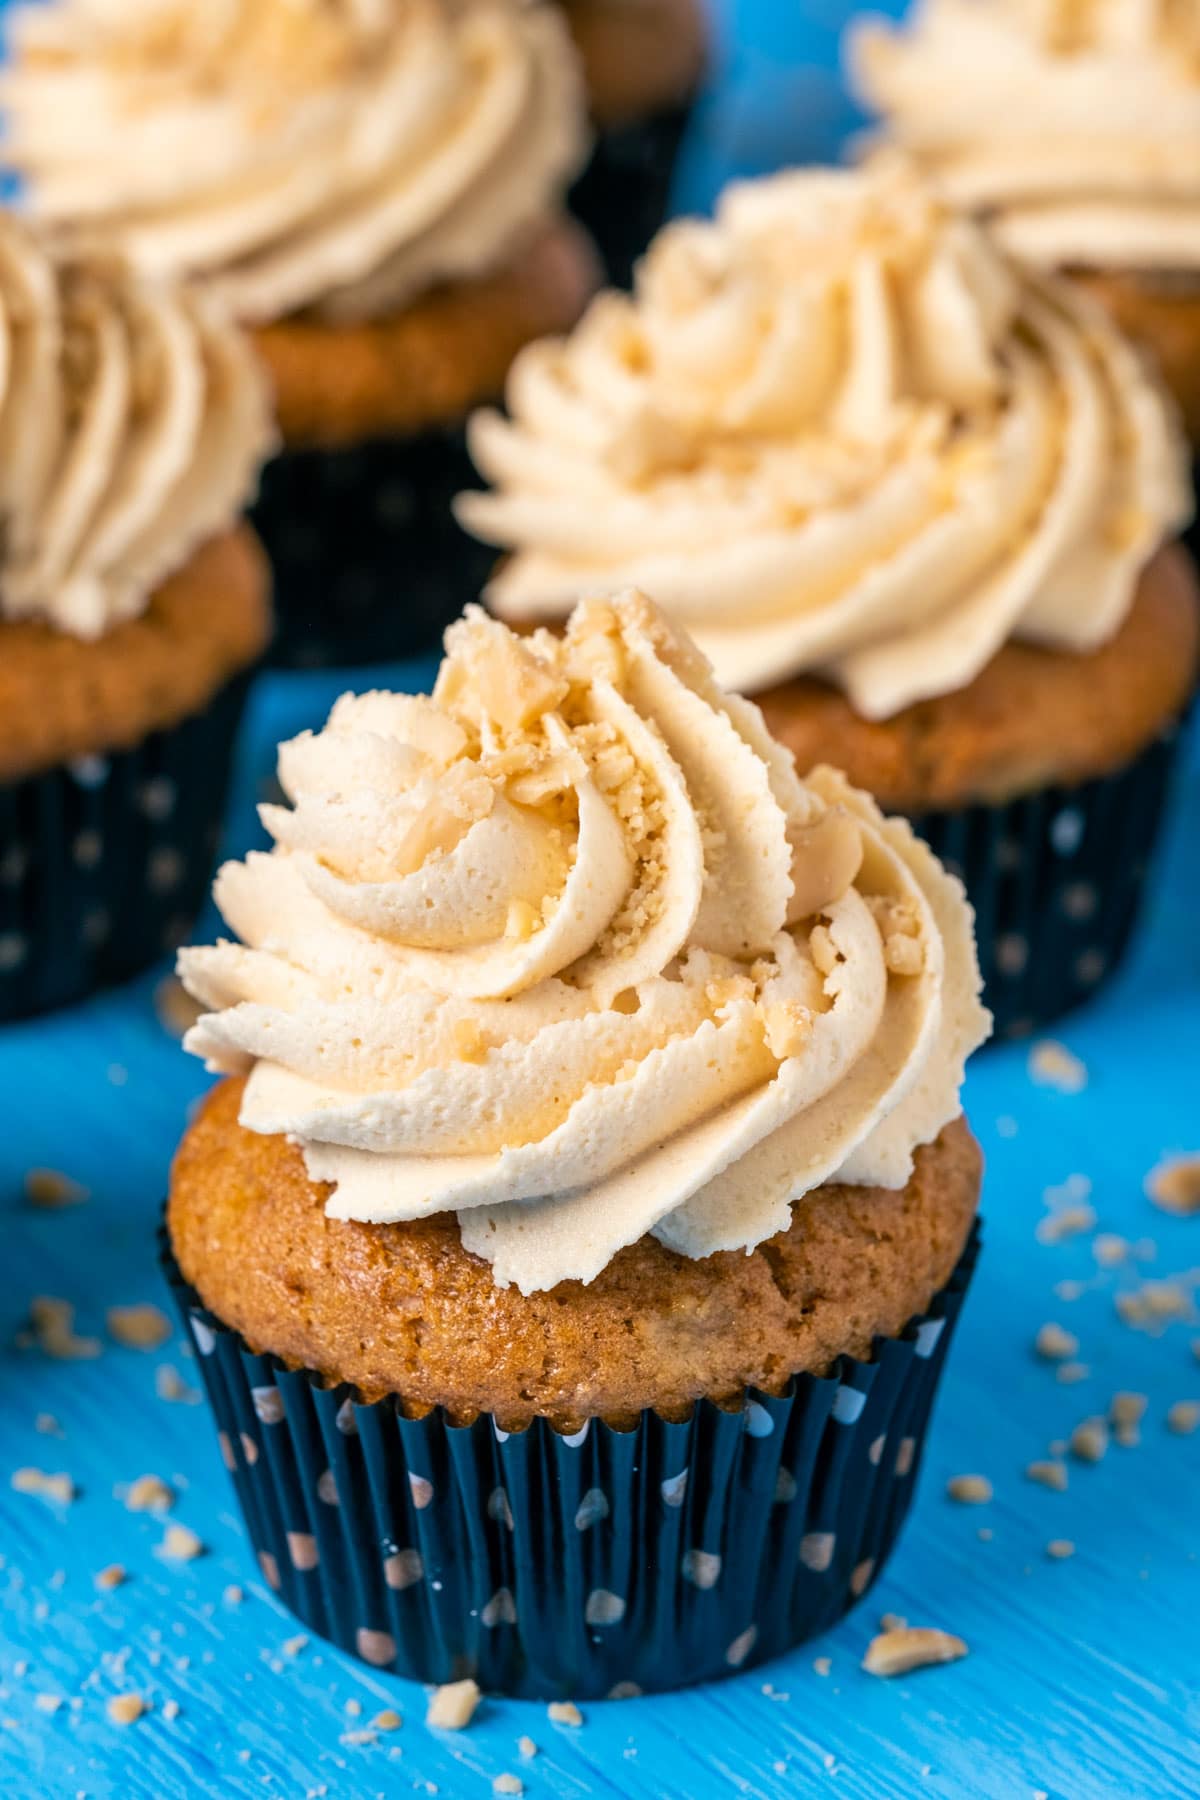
[(1174, 1185), (141, 1327), (1054, 1344), (387, 1720), (1059, 1549), (452, 1707), (58, 1487), (111, 1577), (969, 1490), (1071, 1372), (51, 1189), (508, 1784), (1049, 1473), (1089, 1440), (822, 1665), (1183, 1417), (564, 1712), (149, 1493), (53, 1326), (914, 1647), (527, 1747), (181, 1544), (125, 1709), (1052, 1065)]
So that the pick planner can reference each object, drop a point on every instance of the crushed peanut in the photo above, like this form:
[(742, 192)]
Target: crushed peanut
[(53, 1323), (59, 1488), (969, 1490), (181, 1544), (1183, 1417), (1089, 1440), (1071, 1372), (387, 1720), (138, 1327), (564, 1712), (170, 1385), (111, 1577), (1070, 1221), (1051, 1064), (1059, 1549), (508, 1784), (125, 1709), (149, 1493), (1109, 1250), (452, 1707), (527, 1747), (51, 1189), (914, 1647), (1054, 1343), (1174, 1185)]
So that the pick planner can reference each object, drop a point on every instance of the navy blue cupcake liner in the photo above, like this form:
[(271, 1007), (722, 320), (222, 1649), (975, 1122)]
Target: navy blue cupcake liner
[(1057, 880), (606, 1563), (623, 196), (105, 861), (369, 562)]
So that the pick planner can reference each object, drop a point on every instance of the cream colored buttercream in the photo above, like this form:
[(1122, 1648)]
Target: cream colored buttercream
[(292, 153), (1074, 125), (571, 950), (133, 420), (835, 430)]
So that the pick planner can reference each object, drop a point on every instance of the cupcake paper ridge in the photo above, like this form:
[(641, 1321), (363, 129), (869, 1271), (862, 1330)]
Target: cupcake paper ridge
[(288, 154), (570, 949), (1074, 128), (133, 422), (835, 430)]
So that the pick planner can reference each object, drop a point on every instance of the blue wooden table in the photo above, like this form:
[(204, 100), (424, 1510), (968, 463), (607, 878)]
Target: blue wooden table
[(1082, 1677)]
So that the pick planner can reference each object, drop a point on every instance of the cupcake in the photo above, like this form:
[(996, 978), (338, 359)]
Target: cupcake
[(376, 190), (133, 603), (574, 1241), (915, 500), (1075, 131), (644, 63)]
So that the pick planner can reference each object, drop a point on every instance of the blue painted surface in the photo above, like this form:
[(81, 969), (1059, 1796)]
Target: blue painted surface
[(1082, 1677)]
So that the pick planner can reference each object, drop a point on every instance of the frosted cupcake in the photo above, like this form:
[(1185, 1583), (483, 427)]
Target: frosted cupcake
[(616, 1380), (1074, 129), (375, 187), (916, 501), (133, 419)]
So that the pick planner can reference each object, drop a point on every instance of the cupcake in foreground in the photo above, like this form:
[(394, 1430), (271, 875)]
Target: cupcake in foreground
[(133, 420), (915, 501), (1075, 130), (643, 64), (574, 1242), (375, 187)]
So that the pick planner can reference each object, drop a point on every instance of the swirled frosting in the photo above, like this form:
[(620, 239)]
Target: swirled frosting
[(835, 430), (570, 949), (133, 421), (1073, 124), (292, 153)]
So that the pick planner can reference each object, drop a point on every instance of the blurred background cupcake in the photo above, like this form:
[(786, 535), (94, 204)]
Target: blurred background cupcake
[(376, 188), (916, 501), (650, 1407), (133, 420), (644, 63), (1073, 128)]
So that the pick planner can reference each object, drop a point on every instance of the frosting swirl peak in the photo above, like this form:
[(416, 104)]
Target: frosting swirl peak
[(569, 948), (133, 421), (1074, 125), (835, 430), (291, 153)]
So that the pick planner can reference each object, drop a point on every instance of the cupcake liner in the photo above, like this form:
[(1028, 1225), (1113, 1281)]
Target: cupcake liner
[(105, 861), (369, 563), (1056, 879), (623, 195), (605, 1563)]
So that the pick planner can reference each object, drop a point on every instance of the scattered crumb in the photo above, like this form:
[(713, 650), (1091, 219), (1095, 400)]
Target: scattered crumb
[(293, 1645), (914, 1647), (1155, 1303), (1070, 1222), (892, 1622), (1051, 1064), (969, 1490), (1127, 1409), (48, 1425), (170, 1385), (1071, 1372), (1089, 1440), (356, 1740), (1109, 1250), (508, 1784), (1060, 1549), (387, 1720), (452, 1707), (50, 1189), (149, 1493), (353, 1709), (823, 1665), (180, 1544), (53, 1325), (1049, 1474), (111, 1577), (125, 1709), (1174, 1185), (564, 1712), (170, 1711), (47, 1703), (1183, 1417), (1069, 1290), (1054, 1343), (527, 1747), (141, 1327), (47, 1487), (174, 1007), (985, 1534)]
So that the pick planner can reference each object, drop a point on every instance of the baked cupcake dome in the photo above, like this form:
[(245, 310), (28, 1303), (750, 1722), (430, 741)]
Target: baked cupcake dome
[(755, 993), (132, 604), (377, 192), (876, 467)]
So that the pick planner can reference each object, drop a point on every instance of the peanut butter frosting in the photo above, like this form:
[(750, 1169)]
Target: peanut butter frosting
[(836, 431), (346, 154), (1073, 125), (569, 949), (133, 421)]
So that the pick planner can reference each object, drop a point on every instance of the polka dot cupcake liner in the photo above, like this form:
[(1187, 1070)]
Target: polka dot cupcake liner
[(369, 563), (105, 861), (607, 1563), (623, 196), (1057, 880)]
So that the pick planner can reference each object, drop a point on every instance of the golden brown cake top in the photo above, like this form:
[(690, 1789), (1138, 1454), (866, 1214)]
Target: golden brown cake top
[(570, 950), (835, 430), (292, 153), (133, 420)]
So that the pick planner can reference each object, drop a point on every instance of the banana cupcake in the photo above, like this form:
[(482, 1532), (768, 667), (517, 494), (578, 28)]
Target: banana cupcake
[(133, 420), (644, 63), (1074, 130), (613, 1378), (917, 501), (376, 189)]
